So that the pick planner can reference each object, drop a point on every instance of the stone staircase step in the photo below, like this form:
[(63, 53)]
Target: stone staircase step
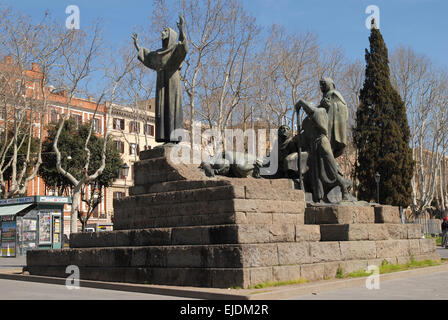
[(339, 214), (220, 277), (372, 231), (231, 255), (198, 235)]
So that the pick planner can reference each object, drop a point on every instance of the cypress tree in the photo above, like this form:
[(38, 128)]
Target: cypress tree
[(382, 132)]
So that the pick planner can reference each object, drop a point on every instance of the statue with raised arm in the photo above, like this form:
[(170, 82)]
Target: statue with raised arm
[(324, 137), (167, 62)]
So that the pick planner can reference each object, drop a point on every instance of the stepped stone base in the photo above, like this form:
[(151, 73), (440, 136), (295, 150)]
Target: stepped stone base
[(222, 277), (179, 227)]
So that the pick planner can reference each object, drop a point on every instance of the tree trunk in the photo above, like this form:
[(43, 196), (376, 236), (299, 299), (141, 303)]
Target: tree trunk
[(75, 208)]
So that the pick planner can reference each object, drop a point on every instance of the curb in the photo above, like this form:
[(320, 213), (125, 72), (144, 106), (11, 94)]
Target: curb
[(273, 293)]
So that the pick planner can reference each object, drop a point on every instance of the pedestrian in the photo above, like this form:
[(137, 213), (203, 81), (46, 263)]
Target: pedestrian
[(445, 232)]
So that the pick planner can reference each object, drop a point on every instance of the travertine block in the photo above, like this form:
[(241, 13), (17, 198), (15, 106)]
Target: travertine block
[(353, 250), (313, 272), (325, 251), (293, 253), (307, 232), (387, 214), (339, 214)]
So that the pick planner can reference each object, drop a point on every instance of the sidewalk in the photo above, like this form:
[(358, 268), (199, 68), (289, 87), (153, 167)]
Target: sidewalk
[(8, 263), (271, 293), (442, 252)]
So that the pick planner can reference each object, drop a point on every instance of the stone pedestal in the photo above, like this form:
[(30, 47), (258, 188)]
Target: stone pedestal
[(179, 227)]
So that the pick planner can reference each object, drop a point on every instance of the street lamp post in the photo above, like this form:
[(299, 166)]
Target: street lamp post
[(125, 171), (377, 180)]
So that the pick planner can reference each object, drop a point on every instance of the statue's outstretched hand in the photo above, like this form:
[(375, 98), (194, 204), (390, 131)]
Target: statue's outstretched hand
[(299, 105), (181, 22), (135, 38)]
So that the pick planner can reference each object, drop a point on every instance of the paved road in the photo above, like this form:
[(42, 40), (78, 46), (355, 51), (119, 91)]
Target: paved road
[(433, 287), (8, 263), (442, 252), (23, 290), (427, 287)]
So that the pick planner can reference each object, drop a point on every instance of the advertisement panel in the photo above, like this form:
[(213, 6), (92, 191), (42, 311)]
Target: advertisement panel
[(8, 236), (44, 228)]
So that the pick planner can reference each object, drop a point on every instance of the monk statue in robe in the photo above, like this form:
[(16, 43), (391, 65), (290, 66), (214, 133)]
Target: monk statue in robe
[(167, 62), (324, 138)]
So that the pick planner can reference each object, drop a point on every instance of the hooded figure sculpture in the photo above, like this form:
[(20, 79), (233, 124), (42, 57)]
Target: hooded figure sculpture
[(324, 137), (167, 62)]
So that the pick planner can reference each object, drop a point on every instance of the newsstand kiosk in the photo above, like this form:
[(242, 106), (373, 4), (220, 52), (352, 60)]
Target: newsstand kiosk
[(31, 223)]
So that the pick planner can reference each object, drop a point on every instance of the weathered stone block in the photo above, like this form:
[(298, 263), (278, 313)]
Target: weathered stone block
[(226, 278), (427, 246), (392, 248), (344, 232), (293, 253), (378, 232), (259, 218), (286, 273), (354, 265), (354, 250), (325, 251), (313, 272), (387, 214), (259, 255), (331, 269), (260, 275), (307, 233), (414, 247), (250, 233), (415, 231), (397, 231), (339, 214), (280, 232)]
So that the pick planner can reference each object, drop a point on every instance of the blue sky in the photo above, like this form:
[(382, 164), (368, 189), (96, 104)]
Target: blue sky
[(421, 24)]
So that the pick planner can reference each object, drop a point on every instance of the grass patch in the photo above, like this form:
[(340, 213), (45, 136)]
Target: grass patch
[(387, 267), (357, 274), (339, 273), (438, 239), (278, 284)]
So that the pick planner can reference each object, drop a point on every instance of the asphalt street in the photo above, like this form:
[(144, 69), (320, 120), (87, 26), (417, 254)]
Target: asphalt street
[(427, 287), (24, 290)]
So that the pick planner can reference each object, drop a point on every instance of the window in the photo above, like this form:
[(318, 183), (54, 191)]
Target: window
[(54, 116), (134, 126), (96, 125), (134, 149), (149, 129), (119, 195), (95, 211), (18, 87), (118, 124), (78, 119), (119, 145)]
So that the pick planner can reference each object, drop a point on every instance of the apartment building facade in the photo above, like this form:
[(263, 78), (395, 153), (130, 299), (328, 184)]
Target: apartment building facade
[(132, 129)]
